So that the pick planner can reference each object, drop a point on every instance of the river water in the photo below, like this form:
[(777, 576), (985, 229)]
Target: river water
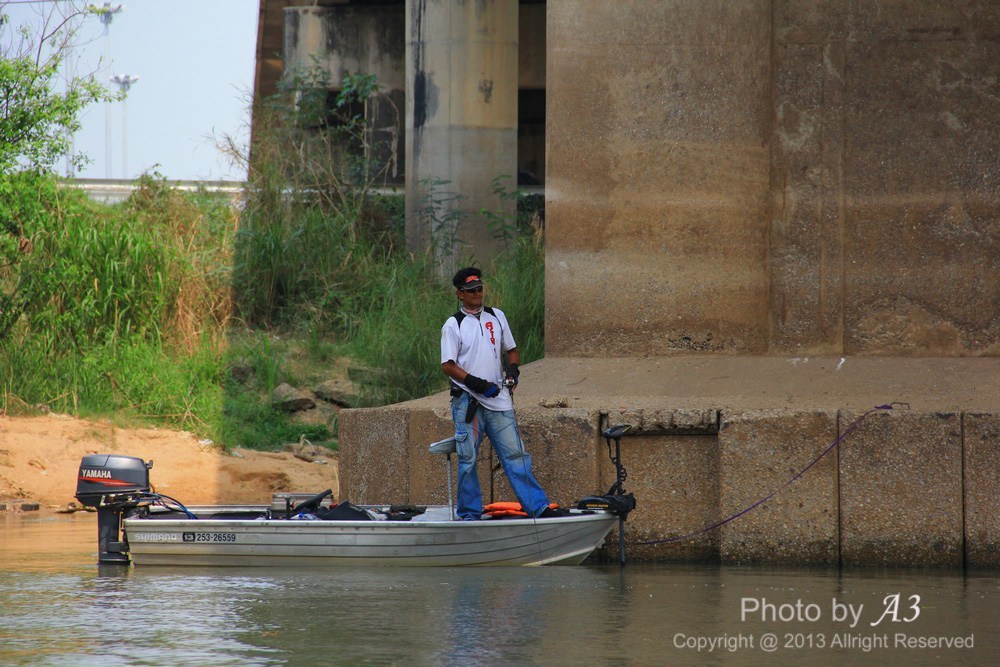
[(58, 607)]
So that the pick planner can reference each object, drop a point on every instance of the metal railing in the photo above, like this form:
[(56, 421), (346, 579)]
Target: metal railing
[(110, 190)]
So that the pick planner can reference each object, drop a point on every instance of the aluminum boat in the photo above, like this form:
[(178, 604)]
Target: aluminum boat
[(140, 526), (432, 538)]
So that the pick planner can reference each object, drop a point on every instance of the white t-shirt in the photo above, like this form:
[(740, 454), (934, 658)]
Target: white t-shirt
[(477, 345)]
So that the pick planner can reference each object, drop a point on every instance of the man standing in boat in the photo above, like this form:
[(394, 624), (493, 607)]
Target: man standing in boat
[(475, 341)]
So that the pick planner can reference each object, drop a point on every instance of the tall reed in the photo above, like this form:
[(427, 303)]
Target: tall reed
[(113, 307)]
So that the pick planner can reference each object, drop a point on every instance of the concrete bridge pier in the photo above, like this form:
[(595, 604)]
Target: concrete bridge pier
[(461, 124)]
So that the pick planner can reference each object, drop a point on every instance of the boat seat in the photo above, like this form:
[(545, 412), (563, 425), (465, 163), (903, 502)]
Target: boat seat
[(446, 446)]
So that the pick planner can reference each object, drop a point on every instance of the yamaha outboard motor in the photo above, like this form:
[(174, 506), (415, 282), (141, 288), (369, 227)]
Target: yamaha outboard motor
[(111, 482)]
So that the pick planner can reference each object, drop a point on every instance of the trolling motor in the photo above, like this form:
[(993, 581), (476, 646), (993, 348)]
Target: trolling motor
[(112, 483), (616, 500)]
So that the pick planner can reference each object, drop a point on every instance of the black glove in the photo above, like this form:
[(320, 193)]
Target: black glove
[(513, 373), (481, 386)]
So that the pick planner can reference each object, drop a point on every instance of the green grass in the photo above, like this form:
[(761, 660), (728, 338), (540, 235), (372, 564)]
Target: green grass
[(113, 308), (169, 309)]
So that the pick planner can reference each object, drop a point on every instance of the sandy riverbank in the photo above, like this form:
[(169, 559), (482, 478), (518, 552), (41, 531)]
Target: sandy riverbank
[(40, 459)]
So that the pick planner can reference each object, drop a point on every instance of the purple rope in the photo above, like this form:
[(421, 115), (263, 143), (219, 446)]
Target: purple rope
[(830, 448)]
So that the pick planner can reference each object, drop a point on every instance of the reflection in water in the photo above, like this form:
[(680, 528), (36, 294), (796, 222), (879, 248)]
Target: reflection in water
[(58, 607), (442, 615)]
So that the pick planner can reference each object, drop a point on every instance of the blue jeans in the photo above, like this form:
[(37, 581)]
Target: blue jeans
[(502, 430)]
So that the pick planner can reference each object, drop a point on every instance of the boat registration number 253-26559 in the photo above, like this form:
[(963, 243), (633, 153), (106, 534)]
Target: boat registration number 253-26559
[(209, 537)]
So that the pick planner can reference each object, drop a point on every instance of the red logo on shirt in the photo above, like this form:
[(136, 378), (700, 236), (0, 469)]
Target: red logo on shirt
[(493, 341)]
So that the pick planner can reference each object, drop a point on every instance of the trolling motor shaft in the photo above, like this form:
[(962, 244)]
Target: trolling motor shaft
[(616, 500)]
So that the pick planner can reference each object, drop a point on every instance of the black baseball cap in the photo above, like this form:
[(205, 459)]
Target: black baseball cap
[(468, 278)]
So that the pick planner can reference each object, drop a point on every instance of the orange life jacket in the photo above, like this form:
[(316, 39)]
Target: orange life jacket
[(508, 508)]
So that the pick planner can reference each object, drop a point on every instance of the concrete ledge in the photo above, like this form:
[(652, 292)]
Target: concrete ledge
[(959, 384)]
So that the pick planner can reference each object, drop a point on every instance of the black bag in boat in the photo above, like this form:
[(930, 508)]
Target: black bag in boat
[(403, 512), (343, 511)]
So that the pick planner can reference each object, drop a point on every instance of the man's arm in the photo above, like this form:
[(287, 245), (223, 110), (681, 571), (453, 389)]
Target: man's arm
[(513, 372), (454, 371), (476, 384)]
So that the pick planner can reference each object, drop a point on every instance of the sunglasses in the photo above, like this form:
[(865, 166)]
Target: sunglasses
[(474, 290)]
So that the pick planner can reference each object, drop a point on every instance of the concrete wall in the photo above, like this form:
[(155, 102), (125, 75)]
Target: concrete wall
[(885, 185), (773, 177), (657, 177)]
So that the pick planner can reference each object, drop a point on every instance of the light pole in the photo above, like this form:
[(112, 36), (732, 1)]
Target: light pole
[(124, 82), (107, 14)]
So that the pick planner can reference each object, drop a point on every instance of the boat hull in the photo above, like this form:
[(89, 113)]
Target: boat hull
[(227, 542)]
